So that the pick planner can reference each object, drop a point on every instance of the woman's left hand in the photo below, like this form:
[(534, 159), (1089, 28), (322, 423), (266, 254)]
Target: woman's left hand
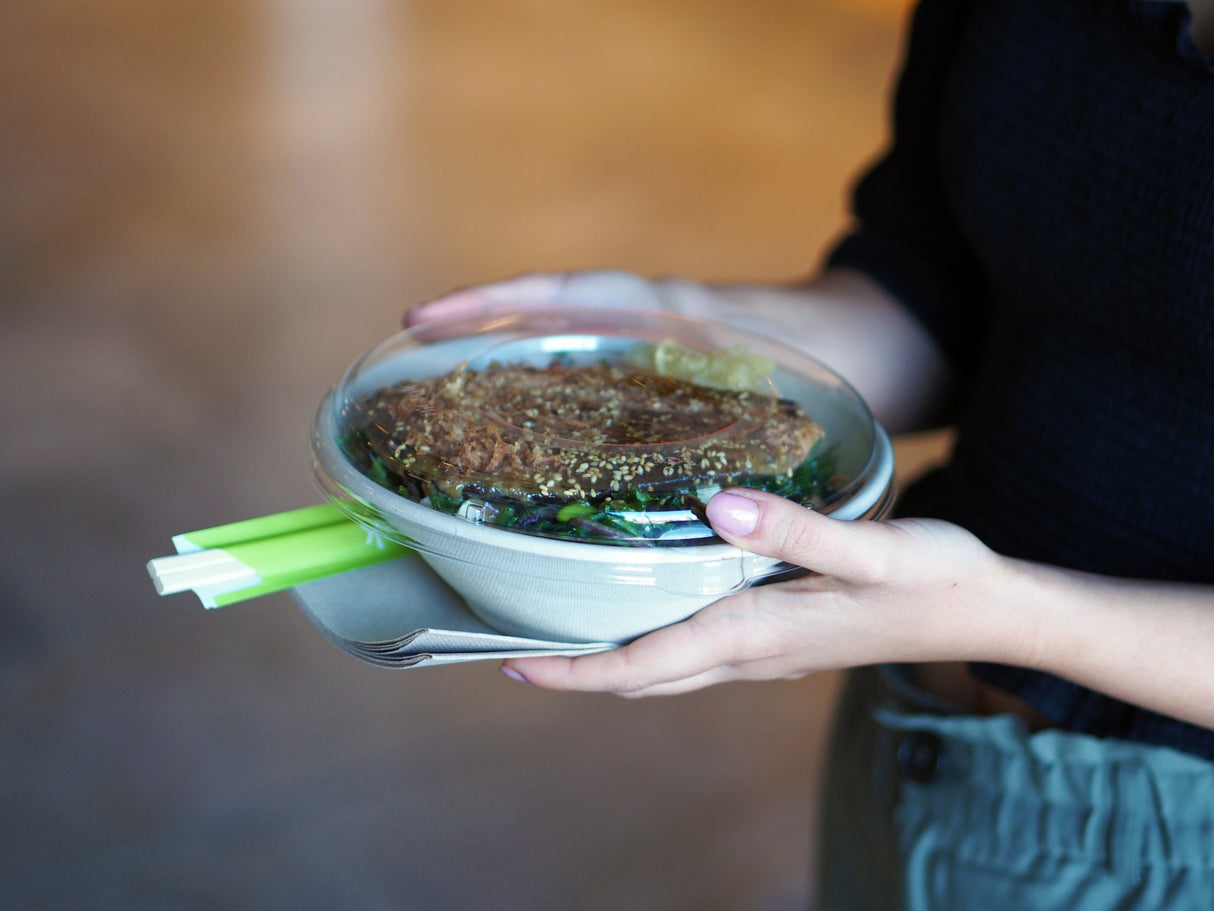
[(902, 590)]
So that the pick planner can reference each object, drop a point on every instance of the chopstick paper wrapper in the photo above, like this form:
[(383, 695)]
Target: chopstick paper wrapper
[(243, 560), (371, 598)]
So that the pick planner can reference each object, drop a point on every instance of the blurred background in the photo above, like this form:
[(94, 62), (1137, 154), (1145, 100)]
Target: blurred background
[(209, 208)]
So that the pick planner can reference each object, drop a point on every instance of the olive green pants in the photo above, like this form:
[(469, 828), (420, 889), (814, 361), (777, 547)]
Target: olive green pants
[(927, 808)]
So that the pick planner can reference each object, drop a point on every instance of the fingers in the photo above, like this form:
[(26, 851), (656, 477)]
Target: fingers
[(466, 303), (609, 288), (597, 288), (677, 658), (765, 524), (566, 674)]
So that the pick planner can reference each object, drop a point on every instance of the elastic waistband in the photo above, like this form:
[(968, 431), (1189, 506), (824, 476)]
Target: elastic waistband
[(1118, 803)]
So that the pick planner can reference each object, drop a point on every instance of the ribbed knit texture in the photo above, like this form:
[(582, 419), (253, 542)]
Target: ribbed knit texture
[(1047, 209)]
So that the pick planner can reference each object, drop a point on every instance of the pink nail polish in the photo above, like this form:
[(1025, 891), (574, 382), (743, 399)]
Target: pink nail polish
[(513, 674), (733, 514)]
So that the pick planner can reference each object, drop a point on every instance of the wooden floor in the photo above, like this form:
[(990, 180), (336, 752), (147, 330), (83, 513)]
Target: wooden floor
[(209, 208)]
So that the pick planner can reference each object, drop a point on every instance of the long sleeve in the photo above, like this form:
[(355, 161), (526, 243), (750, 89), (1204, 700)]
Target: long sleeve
[(905, 235), (1046, 209)]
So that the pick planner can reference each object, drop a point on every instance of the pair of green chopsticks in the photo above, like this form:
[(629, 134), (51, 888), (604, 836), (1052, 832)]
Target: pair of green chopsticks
[(254, 557)]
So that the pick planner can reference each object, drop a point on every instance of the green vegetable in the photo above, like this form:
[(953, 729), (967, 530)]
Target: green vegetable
[(444, 503), (736, 368), (606, 521), (814, 479), (581, 509)]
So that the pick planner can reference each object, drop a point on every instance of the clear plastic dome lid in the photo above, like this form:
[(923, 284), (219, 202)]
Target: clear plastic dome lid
[(609, 427)]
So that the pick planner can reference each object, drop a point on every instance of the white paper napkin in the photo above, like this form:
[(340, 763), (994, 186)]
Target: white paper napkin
[(400, 614)]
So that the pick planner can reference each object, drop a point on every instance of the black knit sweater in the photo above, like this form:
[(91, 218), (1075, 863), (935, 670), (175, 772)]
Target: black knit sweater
[(1047, 211)]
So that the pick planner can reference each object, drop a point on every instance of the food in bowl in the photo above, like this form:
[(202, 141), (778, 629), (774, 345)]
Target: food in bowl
[(589, 451), (545, 560)]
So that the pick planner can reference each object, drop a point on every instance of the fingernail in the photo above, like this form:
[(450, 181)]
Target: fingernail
[(513, 674), (733, 514)]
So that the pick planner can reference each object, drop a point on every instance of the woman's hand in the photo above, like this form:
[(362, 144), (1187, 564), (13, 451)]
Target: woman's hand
[(905, 590), (912, 590), (612, 289)]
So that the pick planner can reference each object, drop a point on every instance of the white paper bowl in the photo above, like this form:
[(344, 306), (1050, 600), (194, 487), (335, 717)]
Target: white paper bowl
[(570, 591)]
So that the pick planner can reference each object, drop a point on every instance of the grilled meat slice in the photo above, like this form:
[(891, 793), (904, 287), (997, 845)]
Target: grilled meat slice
[(569, 433)]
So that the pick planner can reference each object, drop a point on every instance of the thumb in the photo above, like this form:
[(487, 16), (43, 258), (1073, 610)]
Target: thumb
[(772, 526)]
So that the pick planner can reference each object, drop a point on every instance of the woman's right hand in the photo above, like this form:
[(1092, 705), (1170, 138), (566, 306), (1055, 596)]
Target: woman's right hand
[(607, 288)]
